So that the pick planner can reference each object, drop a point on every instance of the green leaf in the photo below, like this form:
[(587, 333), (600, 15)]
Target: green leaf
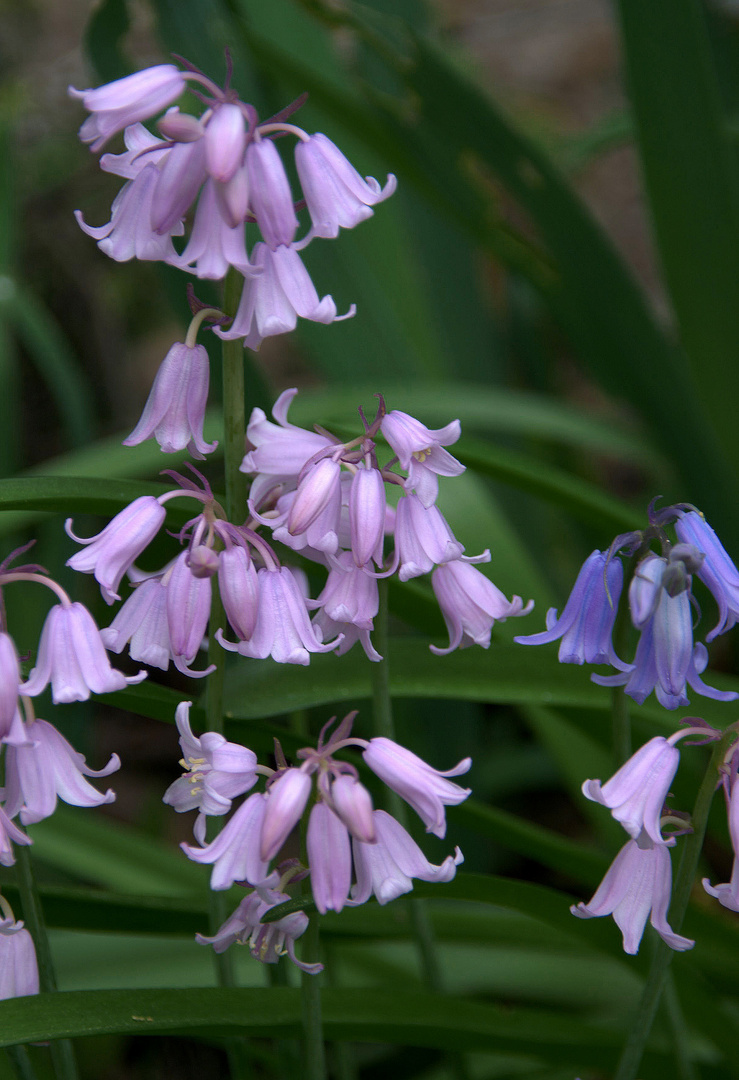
[(108, 23)]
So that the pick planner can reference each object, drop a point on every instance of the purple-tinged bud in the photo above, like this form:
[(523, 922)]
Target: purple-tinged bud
[(233, 198), (350, 595), (329, 858), (10, 681), (425, 789), (142, 621), (225, 142), (271, 198), (586, 624), (334, 192), (175, 409), (471, 605), (423, 538), (180, 127), (644, 589), (111, 552), (180, 179), (367, 501), (125, 101), (239, 589), (387, 867), (318, 488), (203, 561), (234, 853), (717, 571), (188, 609), (287, 797), (18, 967), (419, 450), (71, 655), (47, 767), (637, 884), (353, 803), (636, 794), (283, 630)]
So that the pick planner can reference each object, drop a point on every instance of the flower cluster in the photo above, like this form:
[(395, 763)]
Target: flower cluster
[(353, 851), (226, 165), (318, 496), (638, 883), (661, 606)]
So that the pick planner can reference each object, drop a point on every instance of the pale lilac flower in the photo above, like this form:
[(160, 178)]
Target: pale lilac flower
[(273, 298), (322, 536), (728, 893), (637, 886), (72, 657), (10, 681), (175, 409), (267, 941), (636, 793), (424, 788), (239, 589), (18, 967), (353, 804), (423, 538), (319, 489), (287, 797), (367, 501), (270, 196), (420, 451), (215, 243), (350, 595), (471, 605), (47, 767), (181, 175), (216, 771), (334, 192), (329, 858), (717, 572), (10, 834), (586, 624), (666, 658), (125, 101), (387, 867), (283, 630), (129, 164), (188, 610), (110, 553), (234, 853), (129, 234), (281, 449), (225, 141), (327, 629), (142, 621)]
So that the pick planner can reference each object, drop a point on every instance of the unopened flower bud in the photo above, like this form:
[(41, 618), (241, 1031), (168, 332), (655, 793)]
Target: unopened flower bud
[(645, 588), (353, 804), (180, 127), (286, 800), (203, 561)]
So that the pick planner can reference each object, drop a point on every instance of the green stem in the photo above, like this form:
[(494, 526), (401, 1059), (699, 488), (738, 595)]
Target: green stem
[(234, 409), (315, 1054), (21, 1062), (684, 1067), (641, 1026), (62, 1051)]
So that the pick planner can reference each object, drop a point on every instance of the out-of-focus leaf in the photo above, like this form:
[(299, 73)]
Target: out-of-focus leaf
[(108, 23)]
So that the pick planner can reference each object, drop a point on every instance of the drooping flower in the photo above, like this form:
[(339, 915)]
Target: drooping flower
[(420, 451), (717, 572), (287, 798), (72, 657), (728, 893), (271, 199), (586, 624), (188, 610), (142, 621), (18, 966), (637, 886), (10, 834), (471, 605), (10, 681), (336, 195), (216, 771), (267, 941), (125, 101), (281, 449), (175, 409), (423, 539), (46, 767), (114, 550), (386, 868), (329, 857), (234, 854), (239, 589), (367, 501), (426, 789)]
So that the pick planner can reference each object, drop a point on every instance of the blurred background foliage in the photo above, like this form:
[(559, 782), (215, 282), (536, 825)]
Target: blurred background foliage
[(558, 269)]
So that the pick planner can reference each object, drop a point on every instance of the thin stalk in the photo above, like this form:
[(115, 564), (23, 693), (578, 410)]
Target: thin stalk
[(314, 1066), (234, 410), (684, 1068), (641, 1025), (21, 1062), (62, 1051)]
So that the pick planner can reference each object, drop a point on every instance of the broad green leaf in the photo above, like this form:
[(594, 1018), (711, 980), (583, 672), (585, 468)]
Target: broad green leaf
[(108, 23)]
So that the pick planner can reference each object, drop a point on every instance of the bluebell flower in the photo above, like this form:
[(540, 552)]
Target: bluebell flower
[(717, 572), (586, 624)]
